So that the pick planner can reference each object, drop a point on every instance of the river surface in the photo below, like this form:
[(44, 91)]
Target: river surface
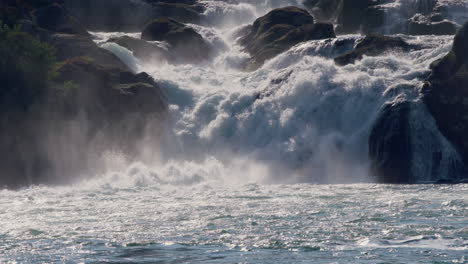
[(127, 219)]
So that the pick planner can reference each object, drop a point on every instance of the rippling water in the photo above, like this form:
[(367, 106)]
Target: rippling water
[(101, 221)]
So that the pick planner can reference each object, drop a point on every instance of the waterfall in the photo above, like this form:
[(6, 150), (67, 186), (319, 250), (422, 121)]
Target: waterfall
[(300, 117)]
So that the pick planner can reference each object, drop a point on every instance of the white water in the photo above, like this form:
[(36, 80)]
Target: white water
[(299, 118), (201, 197)]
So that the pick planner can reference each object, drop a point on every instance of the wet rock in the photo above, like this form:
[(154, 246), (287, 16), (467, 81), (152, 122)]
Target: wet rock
[(131, 15), (390, 148), (69, 46), (323, 10), (111, 15), (351, 14), (185, 42), (373, 45), (278, 31), (55, 18), (446, 93), (186, 11), (430, 25)]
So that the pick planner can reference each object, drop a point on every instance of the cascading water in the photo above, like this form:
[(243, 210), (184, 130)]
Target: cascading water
[(300, 117), (200, 195)]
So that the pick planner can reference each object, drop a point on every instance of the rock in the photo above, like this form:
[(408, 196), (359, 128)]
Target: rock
[(114, 15), (390, 149), (423, 25), (446, 93), (142, 49), (113, 91), (374, 20), (278, 31), (186, 11), (351, 14), (323, 10), (111, 15), (69, 46), (185, 42), (89, 109), (55, 18), (373, 45)]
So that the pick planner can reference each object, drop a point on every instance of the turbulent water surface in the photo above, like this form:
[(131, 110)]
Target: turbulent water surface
[(129, 219), (233, 181)]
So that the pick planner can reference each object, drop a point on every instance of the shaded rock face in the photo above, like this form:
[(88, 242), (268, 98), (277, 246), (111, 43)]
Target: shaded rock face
[(89, 110), (323, 10), (186, 11), (93, 103), (55, 18), (414, 17), (278, 31), (390, 149), (373, 45), (69, 46), (110, 15), (185, 42), (114, 15), (446, 93), (423, 25), (351, 14)]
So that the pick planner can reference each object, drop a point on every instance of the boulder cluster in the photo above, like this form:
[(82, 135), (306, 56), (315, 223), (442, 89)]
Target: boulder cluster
[(415, 17), (88, 94)]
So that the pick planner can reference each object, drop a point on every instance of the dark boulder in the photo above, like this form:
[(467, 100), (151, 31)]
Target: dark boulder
[(186, 11), (88, 110), (374, 20), (131, 15), (186, 43), (446, 93), (323, 10), (55, 18), (111, 15), (430, 25), (373, 45), (69, 46), (390, 149), (351, 14), (280, 30)]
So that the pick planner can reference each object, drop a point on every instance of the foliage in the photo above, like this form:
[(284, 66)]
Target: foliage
[(25, 65)]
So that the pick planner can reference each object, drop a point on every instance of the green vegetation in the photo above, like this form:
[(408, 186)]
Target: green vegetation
[(25, 68)]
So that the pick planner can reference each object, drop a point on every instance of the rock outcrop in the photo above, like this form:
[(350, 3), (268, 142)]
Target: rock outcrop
[(373, 45), (446, 93), (186, 43), (430, 25), (278, 31), (88, 104), (131, 15), (55, 18), (351, 15), (323, 10), (416, 17), (390, 148)]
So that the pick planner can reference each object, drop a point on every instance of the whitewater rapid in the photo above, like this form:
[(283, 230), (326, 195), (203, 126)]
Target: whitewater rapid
[(299, 118)]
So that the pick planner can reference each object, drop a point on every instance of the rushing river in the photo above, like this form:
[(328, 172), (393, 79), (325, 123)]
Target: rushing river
[(234, 180), (128, 219)]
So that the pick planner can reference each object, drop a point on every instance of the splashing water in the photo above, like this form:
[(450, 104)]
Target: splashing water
[(300, 116), (201, 197)]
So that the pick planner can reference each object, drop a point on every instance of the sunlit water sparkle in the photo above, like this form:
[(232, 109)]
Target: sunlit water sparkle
[(130, 221)]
